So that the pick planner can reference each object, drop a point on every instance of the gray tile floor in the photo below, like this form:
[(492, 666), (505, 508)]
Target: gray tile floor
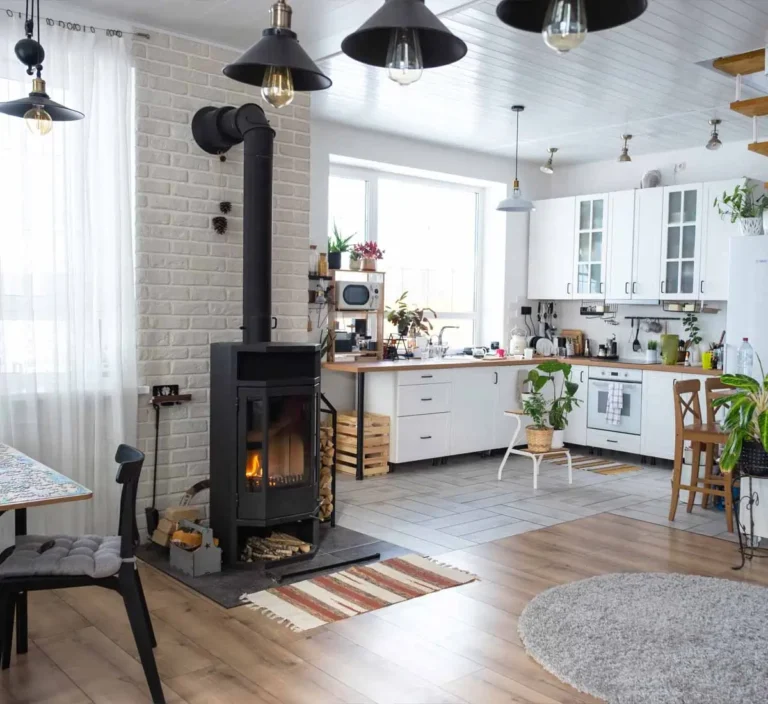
[(433, 510)]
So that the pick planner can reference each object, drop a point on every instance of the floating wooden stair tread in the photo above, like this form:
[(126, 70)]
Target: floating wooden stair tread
[(741, 64), (759, 148), (754, 107)]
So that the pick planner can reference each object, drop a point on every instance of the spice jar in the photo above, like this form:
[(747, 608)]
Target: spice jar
[(313, 259), (322, 264)]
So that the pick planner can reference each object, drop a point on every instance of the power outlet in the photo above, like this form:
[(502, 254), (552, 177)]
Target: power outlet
[(166, 390), (525, 310)]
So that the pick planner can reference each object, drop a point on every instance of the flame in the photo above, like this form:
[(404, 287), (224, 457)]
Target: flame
[(253, 465)]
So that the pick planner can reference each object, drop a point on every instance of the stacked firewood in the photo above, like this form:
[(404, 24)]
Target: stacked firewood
[(326, 462), (277, 546)]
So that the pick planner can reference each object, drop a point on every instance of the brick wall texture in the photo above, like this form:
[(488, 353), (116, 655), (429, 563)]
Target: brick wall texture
[(189, 279)]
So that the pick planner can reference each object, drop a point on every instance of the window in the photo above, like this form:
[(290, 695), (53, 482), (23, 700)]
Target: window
[(348, 207), (429, 231)]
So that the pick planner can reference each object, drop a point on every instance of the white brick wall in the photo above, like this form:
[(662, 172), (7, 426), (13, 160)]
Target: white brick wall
[(189, 279)]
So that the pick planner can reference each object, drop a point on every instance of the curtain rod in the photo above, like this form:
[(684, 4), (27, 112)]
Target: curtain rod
[(77, 27)]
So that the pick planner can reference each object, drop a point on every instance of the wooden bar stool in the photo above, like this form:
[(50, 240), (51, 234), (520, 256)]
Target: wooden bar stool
[(699, 433)]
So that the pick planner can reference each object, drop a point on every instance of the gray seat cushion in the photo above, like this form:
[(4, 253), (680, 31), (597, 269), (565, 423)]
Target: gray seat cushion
[(87, 555)]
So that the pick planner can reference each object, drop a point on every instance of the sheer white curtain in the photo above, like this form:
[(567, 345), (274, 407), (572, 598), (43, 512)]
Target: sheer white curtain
[(67, 304)]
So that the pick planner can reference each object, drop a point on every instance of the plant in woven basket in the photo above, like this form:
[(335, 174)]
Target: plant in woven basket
[(563, 402), (746, 421), (535, 407)]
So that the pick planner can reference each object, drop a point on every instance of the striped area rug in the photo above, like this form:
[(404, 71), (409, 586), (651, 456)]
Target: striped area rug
[(601, 465), (315, 602)]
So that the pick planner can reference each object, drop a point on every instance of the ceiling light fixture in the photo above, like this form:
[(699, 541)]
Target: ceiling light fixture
[(714, 142), (548, 168), (564, 23), (405, 37), (624, 156), (278, 63), (38, 110), (516, 203)]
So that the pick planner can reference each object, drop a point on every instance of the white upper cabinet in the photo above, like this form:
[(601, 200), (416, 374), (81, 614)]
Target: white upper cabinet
[(713, 282), (646, 258), (681, 242), (550, 250), (590, 247), (621, 237)]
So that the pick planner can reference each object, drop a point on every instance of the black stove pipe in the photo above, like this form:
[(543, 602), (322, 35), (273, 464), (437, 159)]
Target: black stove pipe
[(216, 130)]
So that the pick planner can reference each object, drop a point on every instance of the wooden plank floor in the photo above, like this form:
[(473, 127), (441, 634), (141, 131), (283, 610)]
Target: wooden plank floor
[(458, 645)]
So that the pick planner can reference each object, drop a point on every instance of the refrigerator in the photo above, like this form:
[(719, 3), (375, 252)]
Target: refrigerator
[(747, 316)]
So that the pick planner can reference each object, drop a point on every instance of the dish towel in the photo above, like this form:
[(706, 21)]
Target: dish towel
[(615, 403)]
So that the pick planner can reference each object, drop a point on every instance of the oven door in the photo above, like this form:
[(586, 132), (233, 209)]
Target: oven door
[(631, 411), (354, 297)]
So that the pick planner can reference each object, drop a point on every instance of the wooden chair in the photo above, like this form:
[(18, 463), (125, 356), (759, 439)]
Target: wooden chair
[(699, 433), (113, 566)]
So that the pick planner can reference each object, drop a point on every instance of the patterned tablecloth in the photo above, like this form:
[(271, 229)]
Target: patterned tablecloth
[(26, 482)]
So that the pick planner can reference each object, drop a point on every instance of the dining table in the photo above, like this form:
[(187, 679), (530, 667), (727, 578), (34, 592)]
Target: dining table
[(26, 483)]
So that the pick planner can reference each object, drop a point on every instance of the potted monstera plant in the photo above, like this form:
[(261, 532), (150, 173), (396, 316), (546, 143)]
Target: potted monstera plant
[(746, 421), (563, 398)]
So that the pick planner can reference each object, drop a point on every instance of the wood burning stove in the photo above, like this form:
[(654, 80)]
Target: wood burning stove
[(265, 396)]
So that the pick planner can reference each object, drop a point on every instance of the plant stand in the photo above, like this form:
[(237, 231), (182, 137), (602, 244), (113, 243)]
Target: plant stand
[(535, 457), (749, 543)]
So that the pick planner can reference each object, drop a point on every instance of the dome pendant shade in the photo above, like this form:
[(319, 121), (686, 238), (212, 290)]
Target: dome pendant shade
[(516, 203), (38, 98), (279, 48), (370, 43), (529, 15)]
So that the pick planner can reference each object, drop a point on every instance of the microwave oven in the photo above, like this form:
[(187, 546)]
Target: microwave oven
[(357, 295)]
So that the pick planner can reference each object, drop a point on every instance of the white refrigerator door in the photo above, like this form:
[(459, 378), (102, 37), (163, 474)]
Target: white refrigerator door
[(747, 300)]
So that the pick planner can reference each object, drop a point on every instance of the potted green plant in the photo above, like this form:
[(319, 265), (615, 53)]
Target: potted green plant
[(691, 325), (537, 435), (408, 319), (741, 206), (370, 253), (746, 421), (355, 259), (652, 352), (337, 245), (563, 397)]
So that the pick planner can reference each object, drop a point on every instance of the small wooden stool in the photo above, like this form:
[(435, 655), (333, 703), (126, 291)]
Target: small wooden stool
[(536, 457)]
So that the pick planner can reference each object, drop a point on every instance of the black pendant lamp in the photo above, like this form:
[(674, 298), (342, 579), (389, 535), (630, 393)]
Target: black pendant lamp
[(277, 62), (565, 23), (38, 110), (405, 37)]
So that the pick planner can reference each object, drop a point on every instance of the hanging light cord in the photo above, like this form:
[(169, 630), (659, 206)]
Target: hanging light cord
[(517, 140), (72, 26)]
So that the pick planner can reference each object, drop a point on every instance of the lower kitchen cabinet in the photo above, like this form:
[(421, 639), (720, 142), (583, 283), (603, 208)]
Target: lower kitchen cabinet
[(511, 381), (474, 407), (657, 428), (422, 437), (576, 430)]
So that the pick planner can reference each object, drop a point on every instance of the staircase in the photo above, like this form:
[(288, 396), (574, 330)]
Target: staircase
[(740, 65)]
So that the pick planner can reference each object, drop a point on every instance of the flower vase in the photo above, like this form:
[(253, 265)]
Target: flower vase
[(369, 264)]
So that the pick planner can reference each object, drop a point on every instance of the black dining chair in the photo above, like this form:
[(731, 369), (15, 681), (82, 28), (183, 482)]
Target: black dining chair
[(61, 562)]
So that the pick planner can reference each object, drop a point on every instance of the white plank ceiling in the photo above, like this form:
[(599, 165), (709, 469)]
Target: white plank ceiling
[(642, 78)]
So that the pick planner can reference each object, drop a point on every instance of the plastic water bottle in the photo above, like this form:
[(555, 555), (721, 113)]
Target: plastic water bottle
[(744, 358)]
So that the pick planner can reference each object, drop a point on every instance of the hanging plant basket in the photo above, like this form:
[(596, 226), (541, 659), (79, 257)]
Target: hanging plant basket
[(750, 227), (753, 460)]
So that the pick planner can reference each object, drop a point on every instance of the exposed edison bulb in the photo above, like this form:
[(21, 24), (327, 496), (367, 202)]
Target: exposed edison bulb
[(277, 88), (38, 121), (565, 25), (404, 61)]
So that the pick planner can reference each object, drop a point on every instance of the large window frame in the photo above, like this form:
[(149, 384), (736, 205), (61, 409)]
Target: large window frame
[(372, 177)]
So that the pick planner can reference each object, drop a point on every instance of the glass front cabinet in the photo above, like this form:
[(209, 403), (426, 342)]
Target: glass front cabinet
[(681, 243), (590, 250)]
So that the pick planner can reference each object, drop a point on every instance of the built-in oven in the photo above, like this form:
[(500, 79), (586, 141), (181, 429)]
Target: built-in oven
[(600, 381)]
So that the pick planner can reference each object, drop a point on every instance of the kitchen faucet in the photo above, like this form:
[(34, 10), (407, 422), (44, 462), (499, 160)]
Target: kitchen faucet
[(440, 334)]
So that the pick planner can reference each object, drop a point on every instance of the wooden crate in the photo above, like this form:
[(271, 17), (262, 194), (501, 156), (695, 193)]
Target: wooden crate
[(375, 444)]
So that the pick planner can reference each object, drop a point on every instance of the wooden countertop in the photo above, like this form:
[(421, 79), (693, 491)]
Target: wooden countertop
[(404, 365)]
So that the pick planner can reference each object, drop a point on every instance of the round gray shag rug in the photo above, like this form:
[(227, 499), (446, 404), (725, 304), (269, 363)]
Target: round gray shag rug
[(653, 638)]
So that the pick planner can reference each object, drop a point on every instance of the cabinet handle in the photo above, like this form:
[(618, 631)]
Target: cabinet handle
[(568, 289), (701, 286), (581, 376), (626, 287), (426, 399), (601, 287), (634, 285), (426, 437), (613, 441), (495, 377), (426, 376), (663, 281)]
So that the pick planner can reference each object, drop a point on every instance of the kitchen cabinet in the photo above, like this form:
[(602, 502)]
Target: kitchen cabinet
[(576, 430), (510, 388), (473, 411), (657, 426), (550, 250), (713, 282), (681, 242), (621, 238), (591, 222)]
